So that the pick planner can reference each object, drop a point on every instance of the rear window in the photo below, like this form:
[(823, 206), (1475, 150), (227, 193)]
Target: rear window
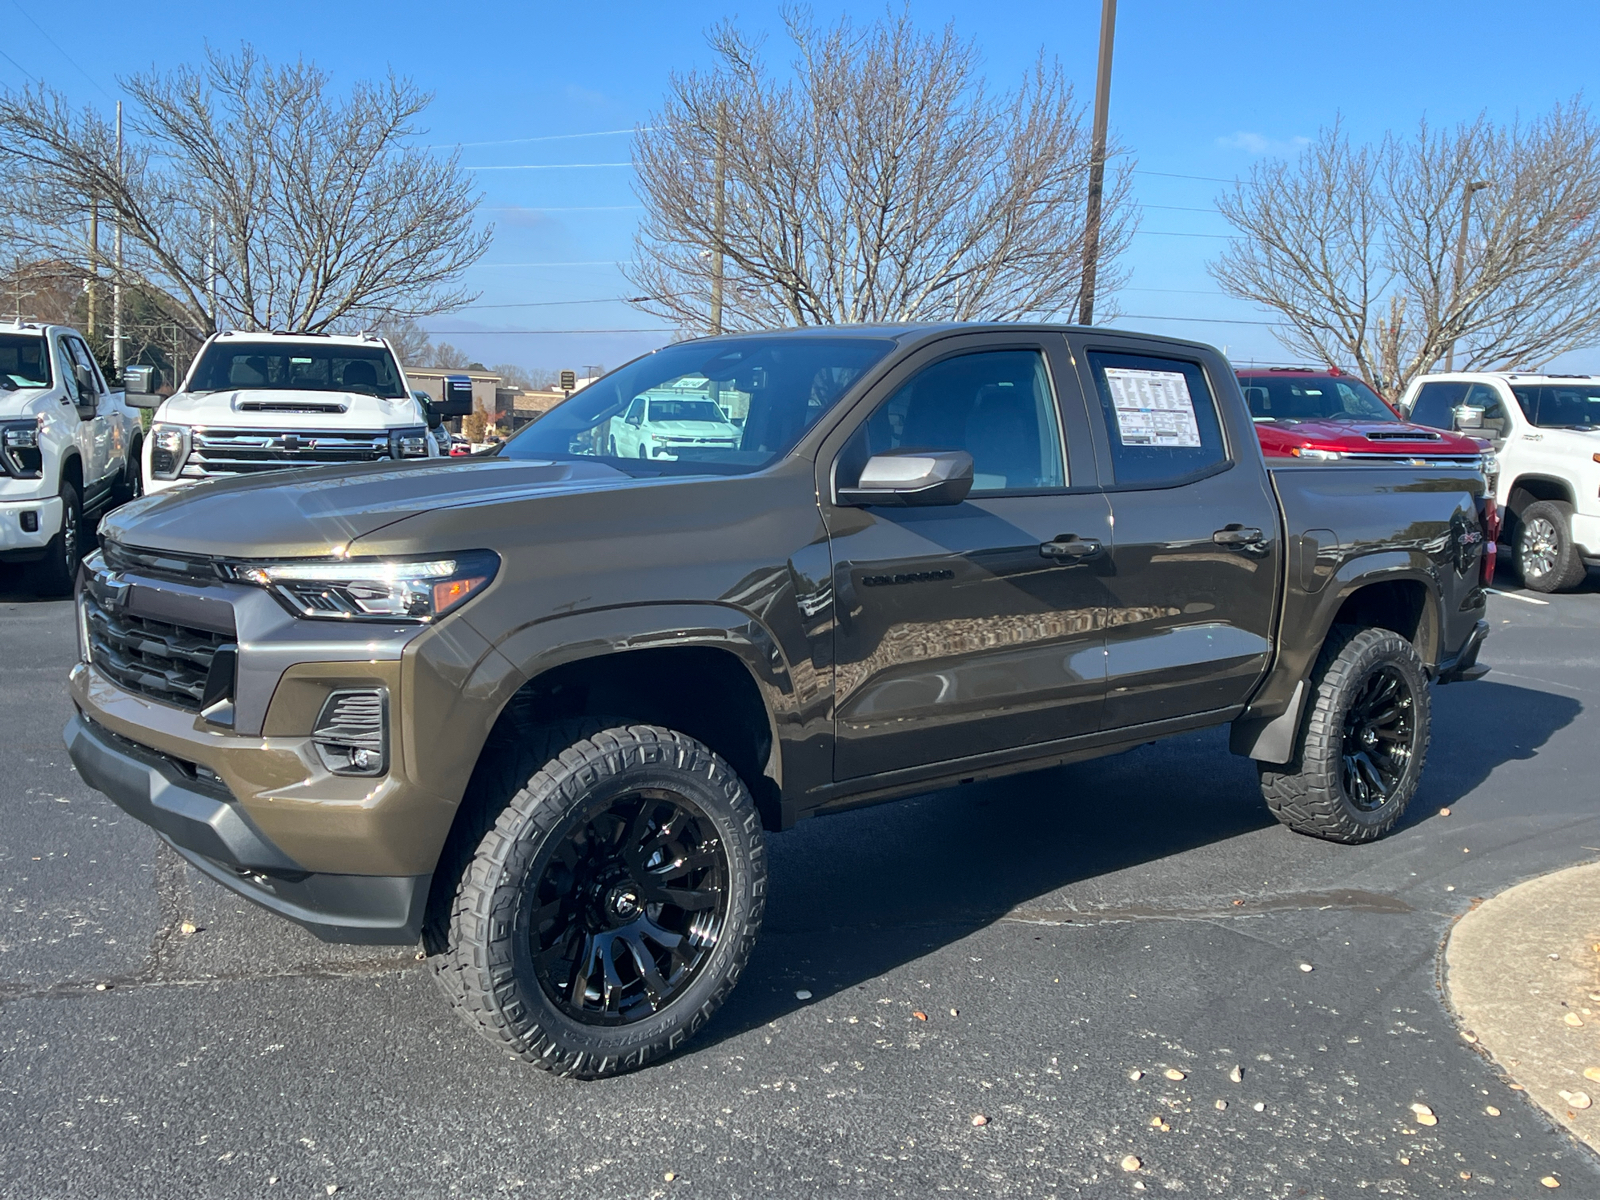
[(1574, 405), (23, 362), (1160, 416), (297, 367)]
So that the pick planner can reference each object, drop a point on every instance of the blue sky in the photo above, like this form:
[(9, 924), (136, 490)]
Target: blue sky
[(1199, 90)]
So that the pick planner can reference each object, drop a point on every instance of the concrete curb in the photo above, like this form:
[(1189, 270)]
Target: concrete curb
[(1521, 969)]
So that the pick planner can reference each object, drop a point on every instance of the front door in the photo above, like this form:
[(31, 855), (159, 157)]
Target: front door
[(1195, 567), (960, 630)]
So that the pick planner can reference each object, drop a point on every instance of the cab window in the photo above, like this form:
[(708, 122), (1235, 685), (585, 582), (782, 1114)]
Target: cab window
[(1160, 418)]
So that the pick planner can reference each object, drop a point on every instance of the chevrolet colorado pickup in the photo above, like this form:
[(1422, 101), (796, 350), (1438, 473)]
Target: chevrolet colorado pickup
[(69, 448), (537, 707)]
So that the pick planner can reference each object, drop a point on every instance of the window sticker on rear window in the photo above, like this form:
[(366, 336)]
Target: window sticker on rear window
[(1153, 408)]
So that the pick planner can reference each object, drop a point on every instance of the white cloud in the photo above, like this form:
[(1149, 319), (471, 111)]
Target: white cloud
[(1257, 143)]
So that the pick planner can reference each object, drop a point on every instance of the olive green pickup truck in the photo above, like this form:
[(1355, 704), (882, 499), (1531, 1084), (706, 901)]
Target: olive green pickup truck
[(537, 709)]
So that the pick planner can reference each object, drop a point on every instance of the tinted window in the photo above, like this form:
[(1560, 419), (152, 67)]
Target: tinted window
[(777, 387), (296, 366), (996, 405), (23, 362), (686, 410), (81, 357), (1287, 397), (1435, 402), (1160, 417), (1574, 405)]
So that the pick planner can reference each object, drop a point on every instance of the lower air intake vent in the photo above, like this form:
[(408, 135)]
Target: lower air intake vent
[(352, 733)]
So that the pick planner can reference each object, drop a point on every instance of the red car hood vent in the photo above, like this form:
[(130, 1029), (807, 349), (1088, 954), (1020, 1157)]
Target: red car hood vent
[(1403, 435)]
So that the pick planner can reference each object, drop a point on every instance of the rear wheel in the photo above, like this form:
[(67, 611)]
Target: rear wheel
[(57, 572), (1546, 557), (131, 485), (612, 906), (1363, 740)]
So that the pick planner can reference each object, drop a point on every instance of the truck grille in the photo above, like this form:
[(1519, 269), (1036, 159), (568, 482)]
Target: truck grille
[(246, 451), (166, 662)]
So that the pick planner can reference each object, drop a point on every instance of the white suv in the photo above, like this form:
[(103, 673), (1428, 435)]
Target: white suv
[(264, 401), (1545, 430)]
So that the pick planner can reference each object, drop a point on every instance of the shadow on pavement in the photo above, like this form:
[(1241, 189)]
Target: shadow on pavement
[(854, 896)]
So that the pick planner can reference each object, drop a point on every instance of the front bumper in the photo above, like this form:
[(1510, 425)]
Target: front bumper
[(202, 823), (19, 544)]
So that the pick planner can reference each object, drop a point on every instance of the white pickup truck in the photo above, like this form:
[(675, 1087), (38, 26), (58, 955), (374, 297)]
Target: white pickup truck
[(264, 401), (69, 448), (1545, 430), (672, 425)]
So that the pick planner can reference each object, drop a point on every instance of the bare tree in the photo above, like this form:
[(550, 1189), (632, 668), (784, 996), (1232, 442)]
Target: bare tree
[(1356, 247), (882, 182), (247, 194)]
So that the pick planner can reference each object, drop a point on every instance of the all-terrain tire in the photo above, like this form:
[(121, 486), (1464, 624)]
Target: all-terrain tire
[(1546, 558), (1311, 793), (56, 574), (483, 945)]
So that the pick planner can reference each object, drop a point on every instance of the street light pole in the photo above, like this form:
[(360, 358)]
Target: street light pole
[(719, 222), (1461, 255), (1097, 163)]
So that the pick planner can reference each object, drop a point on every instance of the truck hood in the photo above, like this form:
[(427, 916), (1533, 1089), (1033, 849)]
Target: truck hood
[(249, 408), (15, 404), (319, 510), (1363, 437)]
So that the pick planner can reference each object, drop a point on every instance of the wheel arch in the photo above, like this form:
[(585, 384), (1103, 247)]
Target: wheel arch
[(1528, 488), (708, 670)]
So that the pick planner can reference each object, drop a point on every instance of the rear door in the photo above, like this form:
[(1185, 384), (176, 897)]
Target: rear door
[(1195, 568), (95, 434), (964, 629)]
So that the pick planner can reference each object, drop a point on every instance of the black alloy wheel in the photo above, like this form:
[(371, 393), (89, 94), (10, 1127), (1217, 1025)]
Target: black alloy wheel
[(1379, 735), (603, 898), (629, 906), (1362, 743)]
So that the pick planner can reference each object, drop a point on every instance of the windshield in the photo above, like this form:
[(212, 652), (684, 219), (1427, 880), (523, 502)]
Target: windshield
[(1312, 398), (24, 363), (1574, 405), (769, 389), (687, 410), (297, 366)]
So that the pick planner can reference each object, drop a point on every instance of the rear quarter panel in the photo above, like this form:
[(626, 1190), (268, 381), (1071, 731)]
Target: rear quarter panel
[(1349, 526)]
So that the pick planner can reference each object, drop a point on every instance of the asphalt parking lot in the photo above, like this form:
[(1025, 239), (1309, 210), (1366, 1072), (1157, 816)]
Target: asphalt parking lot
[(1058, 932)]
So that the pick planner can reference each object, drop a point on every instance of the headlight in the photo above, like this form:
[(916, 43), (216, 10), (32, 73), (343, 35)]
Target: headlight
[(408, 443), (19, 446), (374, 589), (1311, 455), (169, 446)]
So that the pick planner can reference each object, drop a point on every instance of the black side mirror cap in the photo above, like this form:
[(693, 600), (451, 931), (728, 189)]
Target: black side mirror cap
[(911, 479)]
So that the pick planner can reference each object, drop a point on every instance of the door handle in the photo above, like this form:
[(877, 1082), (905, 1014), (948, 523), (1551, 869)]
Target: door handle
[(1071, 546), (1237, 535)]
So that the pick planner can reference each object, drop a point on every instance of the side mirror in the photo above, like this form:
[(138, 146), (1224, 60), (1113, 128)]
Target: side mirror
[(1468, 417), (139, 387), (636, 420), (912, 480)]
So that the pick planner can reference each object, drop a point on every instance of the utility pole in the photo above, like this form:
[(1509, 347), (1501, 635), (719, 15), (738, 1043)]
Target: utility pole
[(118, 354), (1097, 163), (719, 222), (1461, 255), (211, 272), (94, 266)]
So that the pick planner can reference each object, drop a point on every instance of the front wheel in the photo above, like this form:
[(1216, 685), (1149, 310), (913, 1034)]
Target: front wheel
[(57, 573), (613, 904), (1546, 557), (1363, 740)]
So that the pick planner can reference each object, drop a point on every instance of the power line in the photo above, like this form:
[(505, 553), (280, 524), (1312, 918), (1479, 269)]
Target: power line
[(1174, 175), (556, 303), (523, 332), (548, 137), (59, 51), (1176, 207), (596, 263), (1176, 233), (18, 65), (547, 166), (572, 208), (1201, 320)]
